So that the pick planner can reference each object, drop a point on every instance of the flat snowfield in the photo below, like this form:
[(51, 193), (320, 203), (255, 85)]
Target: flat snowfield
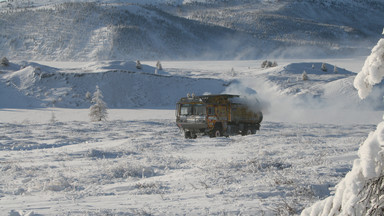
[(144, 166), (54, 161)]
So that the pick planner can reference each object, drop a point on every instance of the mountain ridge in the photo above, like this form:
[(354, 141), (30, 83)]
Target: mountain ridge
[(180, 30)]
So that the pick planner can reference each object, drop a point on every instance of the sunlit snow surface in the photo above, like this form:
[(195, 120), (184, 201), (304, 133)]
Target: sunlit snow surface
[(138, 162)]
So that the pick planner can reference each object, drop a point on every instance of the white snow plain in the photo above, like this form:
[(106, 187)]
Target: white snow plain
[(54, 161)]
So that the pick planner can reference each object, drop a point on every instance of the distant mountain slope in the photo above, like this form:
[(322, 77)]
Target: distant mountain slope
[(209, 29), (333, 26), (83, 31)]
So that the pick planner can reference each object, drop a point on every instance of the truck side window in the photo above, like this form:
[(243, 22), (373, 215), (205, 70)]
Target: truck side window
[(199, 109), (211, 110)]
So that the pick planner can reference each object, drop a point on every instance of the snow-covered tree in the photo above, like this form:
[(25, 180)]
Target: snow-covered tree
[(361, 192), (233, 72), (4, 61), (304, 76), (98, 109), (158, 66), (335, 70), (53, 119), (138, 64), (313, 66), (88, 96), (324, 67)]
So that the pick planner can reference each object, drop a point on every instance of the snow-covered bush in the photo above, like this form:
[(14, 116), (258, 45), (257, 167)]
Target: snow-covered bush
[(361, 191), (98, 110), (304, 76), (268, 64), (4, 61)]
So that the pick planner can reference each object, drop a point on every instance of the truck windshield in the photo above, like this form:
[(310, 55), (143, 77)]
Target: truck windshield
[(196, 109), (185, 109)]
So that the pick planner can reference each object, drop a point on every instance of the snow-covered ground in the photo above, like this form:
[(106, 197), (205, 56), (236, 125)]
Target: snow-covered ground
[(54, 161)]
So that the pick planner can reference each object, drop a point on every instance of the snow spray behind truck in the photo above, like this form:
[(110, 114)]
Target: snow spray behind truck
[(217, 115)]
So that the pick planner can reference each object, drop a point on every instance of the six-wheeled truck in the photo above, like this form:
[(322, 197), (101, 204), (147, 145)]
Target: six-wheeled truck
[(216, 115)]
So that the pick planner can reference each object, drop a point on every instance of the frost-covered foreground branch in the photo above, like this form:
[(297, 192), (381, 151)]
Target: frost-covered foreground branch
[(356, 194), (372, 72), (361, 191)]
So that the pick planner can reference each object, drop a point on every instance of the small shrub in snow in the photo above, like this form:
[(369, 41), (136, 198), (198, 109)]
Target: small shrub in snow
[(130, 170), (98, 110), (324, 67), (59, 183), (4, 61), (304, 76), (268, 64), (150, 188)]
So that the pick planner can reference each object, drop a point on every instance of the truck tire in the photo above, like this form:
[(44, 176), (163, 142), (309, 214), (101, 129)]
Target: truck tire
[(217, 131), (246, 131), (254, 130), (187, 135)]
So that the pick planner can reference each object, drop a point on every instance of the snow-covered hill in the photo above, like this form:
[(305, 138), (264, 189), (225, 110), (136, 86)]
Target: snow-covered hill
[(122, 84), (82, 30), (29, 84)]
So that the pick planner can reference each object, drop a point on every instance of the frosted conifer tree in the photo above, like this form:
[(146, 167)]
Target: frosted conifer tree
[(324, 67), (88, 96), (138, 64), (158, 66), (335, 69), (304, 75), (4, 61), (98, 110), (361, 191), (53, 119), (233, 72)]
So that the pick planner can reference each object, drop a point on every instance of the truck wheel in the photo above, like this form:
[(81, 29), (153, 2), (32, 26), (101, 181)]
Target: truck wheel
[(187, 135), (217, 133), (247, 131), (193, 136)]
